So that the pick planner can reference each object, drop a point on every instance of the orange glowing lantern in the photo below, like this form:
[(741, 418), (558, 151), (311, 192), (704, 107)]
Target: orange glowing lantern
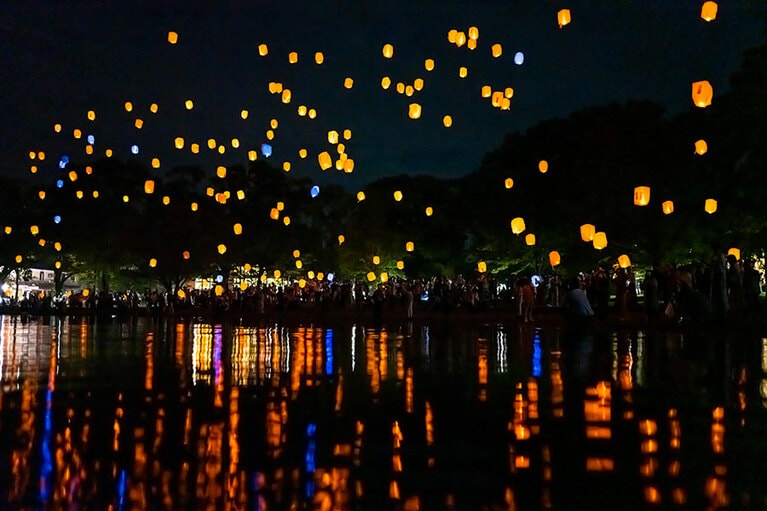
[(497, 50), (221, 249), (481, 267), (624, 261), (508, 183), (710, 206), (543, 166), (388, 51), (708, 11), (734, 252), (172, 37), (668, 207), (414, 111), (409, 246), (641, 195), (702, 93), (518, 225), (701, 147), (237, 229), (554, 258), (600, 240), (530, 239), (563, 17), (149, 186)]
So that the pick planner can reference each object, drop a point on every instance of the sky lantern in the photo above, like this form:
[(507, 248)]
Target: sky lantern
[(91, 115), (668, 207), (299, 264), (312, 113), (221, 249), (409, 246), (400, 264), (77, 133), (186, 255), (429, 211), (508, 92), (275, 87), (385, 82), (518, 225), (138, 123), (428, 64), (286, 220), (274, 213), (554, 258), (376, 260), (302, 153), (341, 239), (286, 96), (152, 262), (543, 166), (348, 82), (348, 166), (79, 194), (155, 163), (497, 99), (332, 137), (179, 142), (319, 58), (189, 104), (166, 200), (447, 121), (244, 114), (388, 51), (519, 58), (414, 111), (481, 266), (451, 35), (128, 106), (508, 183), (293, 57), (701, 147), (397, 195), (360, 196), (734, 252), (384, 277), (153, 108), (708, 11), (41, 194), (35, 230), (497, 50), (641, 195), (418, 84), (240, 194), (324, 160), (57, 128), (530, 239), (371, 276), (409, 90), (600, 240), (277, 274), (473, 33), (587, 232), (710, 206), (463, 72), (624, 261), (172, 37), (72, 176), (263, 49), (563, 17), (149, 186), (221, 171), (347, 134), (237, 229), (702, 93), (8, 229)]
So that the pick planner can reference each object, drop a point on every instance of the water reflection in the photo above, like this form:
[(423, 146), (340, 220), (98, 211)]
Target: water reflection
[(199, 416)]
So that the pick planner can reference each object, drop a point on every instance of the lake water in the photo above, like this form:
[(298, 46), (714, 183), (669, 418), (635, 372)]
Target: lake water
[(96, 414)]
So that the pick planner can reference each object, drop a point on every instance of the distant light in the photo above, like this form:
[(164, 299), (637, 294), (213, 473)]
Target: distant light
[(266, 150), (519, 58), (219, 278), (134, 149), (315, 191), (57, 219), (60, 183), (331, 277), (63, 161)]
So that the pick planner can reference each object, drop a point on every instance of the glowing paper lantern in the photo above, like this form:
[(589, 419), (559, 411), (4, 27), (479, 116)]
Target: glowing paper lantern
[(508, 183), (530, 239), (348, 83), (409, 246), (497, 99), (518, 225), (189, 104), (263, 50), (708, 11), (481, 266), (332, 137), (641, 195), (519, 58), (128, 106), (293, 57), (315, 191), (35, 230), (149, 186), (299, 264), (497, 50), (463, 72), (543, 166), (486, 91), (348, 165), (702, 93), (286, 96), (447, 121), (418, 84), (563, 17), (286, 220), (624, 261), (397, 195), (734, 252), (266, 150), (371, 276), (587, 232), (237, 229), (155, 163), (554, 258), (400, 265), (172, 37), (221, 171), (385, 82), (508, 93), (414, 111), (701, 147), (451, 35), (600, 240), (710, 206), (186, 254), (668, 207), (324, 160), (319, 58), (91, 115), (429, 211), (460, 39), (428, 64), (473, 33), (221, 249), (166, 200), (152, 262), (347, 134), (341, 239), (388, 51), (153, 108), (376, 260)]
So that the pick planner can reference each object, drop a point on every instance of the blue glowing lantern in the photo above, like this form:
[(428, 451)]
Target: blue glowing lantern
[(219, 278), (134, 149), (315, 191), (331, 277), (64, 161), (91, 139), (266, 150), (57, 219), (60, 183), (519, 58)]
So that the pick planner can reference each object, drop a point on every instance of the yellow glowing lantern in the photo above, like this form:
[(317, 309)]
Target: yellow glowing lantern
[(341, 239), (348, 82), (153, 108), (8, 229), (57, 246), (376, 260), (600, 240), (195, 148), (518, 225), (384, 277), (128, 106), (296, 254), (429, 211), (530, 239), (668, 207), (418, 84), (710, 206), (319, 58), (172, 37), (332, 137), (240, 194), (428, 64), (299, 264), (95, 194), (35, 230), (473, 33), (409, 246), (293, 57), (209, 191), (554, 258), (388, 51), (280, 205), (189, 104), (286, 96), (385, 82), (212, 143), (508, 92), (481, 266), (508, 183), (414, 111), (347, 134), (708, 11), (543, 166), (701, 147), (286, 220), (18, 259), (126, 199), (244, 114), (237, 229), (451, 35), (447, 121), (152, 262), (221, 171), (79, 194), (371, 276), (221, 249), (324, 160), (496, 99), (277, 274), (252, 155), (33, 169), (218, 290), (41, 194), (487, 91), (86, 292), (734, 252), (397, 195), (302, 153), (194, 206), (641, 195), (181, 294), (702, 93), (155, 163), (235, 143), (400, 265), (624, 261), (57, 265), (72, 176), (587, 232), (460, 38), (563, 17), (263, 50), (138, 124), (497, 50), (463, 72), (409, 90), (91, 115), (149, 186), (166, 200)]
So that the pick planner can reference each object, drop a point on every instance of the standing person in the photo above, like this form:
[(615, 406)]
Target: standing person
[(621, 281), (718, 297), (752, 286), (526, 299), (409, 299)]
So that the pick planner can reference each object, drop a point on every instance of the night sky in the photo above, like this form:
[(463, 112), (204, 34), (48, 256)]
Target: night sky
[(62, 59)]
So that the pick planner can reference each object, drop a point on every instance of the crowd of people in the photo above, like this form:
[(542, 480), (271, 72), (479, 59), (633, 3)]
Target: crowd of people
[(727, 287)]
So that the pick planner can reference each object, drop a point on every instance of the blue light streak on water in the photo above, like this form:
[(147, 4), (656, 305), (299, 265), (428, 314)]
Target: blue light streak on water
[(311, 447), (122, 483), (537, 353), (329, 351), (46, 466)]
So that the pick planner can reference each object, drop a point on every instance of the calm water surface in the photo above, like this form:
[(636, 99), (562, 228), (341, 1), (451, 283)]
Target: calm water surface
[(96, 414)]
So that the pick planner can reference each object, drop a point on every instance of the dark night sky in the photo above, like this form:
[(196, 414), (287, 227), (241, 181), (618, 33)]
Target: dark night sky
[(61, 59)]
